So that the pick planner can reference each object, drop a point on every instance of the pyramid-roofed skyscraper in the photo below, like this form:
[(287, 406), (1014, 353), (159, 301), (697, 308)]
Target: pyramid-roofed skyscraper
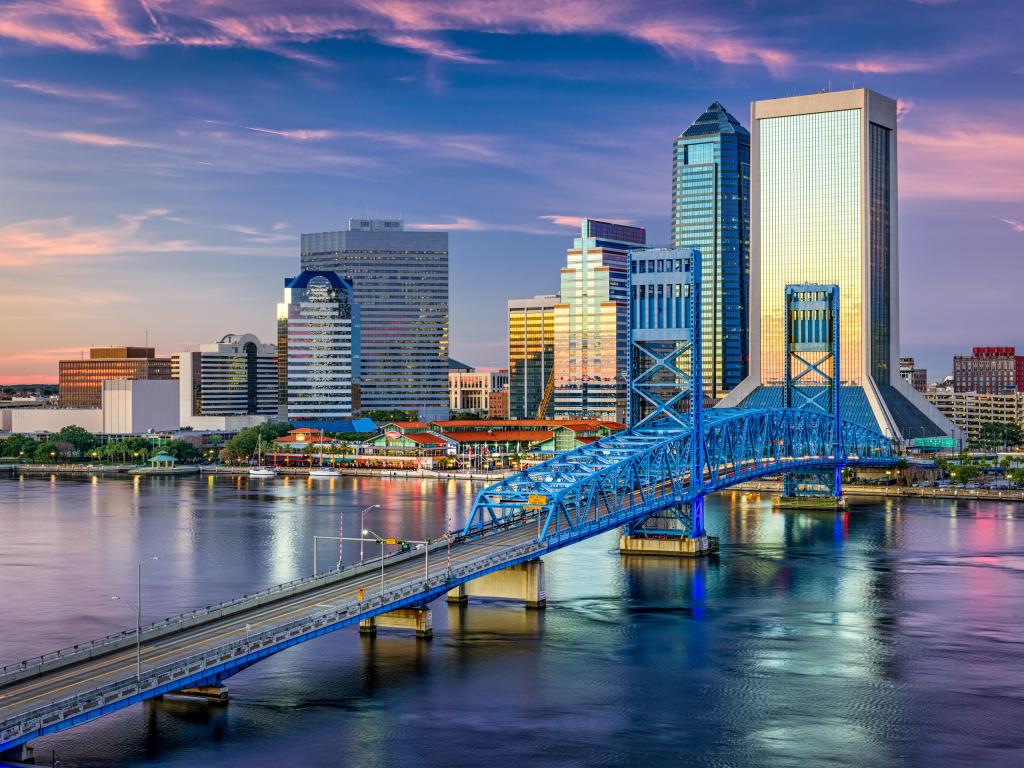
[(823, 211), (711, 211)]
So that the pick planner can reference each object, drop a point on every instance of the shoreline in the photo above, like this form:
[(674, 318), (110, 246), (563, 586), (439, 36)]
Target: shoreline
[(760, 486)]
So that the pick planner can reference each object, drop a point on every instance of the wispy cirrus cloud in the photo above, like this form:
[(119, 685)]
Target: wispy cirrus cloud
[(1015, 224), (416, 25), (97, 139), (37, 242), (299, 134), (88, 95), (904, 63)]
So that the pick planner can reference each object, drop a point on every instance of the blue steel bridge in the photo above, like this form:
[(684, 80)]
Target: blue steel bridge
[(668, 462)]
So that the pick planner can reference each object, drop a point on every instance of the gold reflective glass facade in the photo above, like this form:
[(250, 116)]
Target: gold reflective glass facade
[(811, 226), (531, 355)]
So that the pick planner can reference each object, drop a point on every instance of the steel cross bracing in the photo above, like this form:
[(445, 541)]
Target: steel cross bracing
[(632, 475)]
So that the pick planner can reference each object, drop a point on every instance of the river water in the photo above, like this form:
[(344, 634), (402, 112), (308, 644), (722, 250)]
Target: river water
[(892, 634)]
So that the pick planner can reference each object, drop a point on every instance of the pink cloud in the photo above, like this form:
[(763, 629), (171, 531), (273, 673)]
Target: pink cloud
[(98, 25), (46, 241), (574, 222), (947, 161), (1015, 224), (97, 139)]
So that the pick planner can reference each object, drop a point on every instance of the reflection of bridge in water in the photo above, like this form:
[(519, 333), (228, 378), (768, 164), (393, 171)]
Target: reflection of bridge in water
[(658, 471)]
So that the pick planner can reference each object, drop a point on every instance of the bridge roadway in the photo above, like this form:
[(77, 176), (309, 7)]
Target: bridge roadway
[(83, 677)]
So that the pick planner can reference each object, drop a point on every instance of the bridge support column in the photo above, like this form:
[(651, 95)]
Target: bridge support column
[(822, 490), (21, 754), (209, 692), (677, 532), (517, 582), (418, 619)]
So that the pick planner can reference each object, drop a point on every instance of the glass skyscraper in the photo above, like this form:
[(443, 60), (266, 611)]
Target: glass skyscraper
[(592, 323), (531, 354), (317, 349), (400, 282), (711, 212), (823, 210)]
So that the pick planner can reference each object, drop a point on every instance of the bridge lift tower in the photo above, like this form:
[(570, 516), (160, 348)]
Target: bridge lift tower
[(812, 382), (666, 385)]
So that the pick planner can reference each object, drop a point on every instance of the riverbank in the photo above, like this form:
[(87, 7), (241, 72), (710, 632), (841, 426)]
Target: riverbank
[(892, 491), (124, 469), (422, 474)]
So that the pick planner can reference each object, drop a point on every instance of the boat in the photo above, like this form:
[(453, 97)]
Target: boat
[(259, 470), (323, 472)]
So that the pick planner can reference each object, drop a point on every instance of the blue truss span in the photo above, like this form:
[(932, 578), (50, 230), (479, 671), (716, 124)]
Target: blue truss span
[(630, 476)]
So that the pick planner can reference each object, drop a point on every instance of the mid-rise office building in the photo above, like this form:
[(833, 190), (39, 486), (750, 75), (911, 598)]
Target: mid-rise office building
[(591, 323), (81, 381), (711, 212), (970, 411), (823, 210), (989, 371), (531, 356), (918, 377), (317, 350), (232, 382), (497, 405), (471, 390), (399, 280)]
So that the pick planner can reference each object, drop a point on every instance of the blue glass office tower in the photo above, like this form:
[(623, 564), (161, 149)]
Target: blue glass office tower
[(711, 211)]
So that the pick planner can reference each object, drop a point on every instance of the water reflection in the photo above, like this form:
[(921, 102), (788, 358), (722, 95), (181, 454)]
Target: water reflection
[(885, 634)]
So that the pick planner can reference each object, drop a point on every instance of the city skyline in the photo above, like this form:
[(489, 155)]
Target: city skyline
[(144, 152)]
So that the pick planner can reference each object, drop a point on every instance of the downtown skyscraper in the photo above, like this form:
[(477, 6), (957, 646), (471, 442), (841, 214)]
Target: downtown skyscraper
[(317, 350), (711, 211), (823, 210), (592, 323), (400, 283), (531, 356)]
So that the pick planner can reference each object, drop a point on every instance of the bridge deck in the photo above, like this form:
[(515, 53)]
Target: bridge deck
[(86, 676)]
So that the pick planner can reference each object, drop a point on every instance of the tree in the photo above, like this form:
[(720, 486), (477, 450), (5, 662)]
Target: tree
[(243, 445), (183, 451), (81, 440), (389, 416), (18, 446), (45, 453), (1000, 435)]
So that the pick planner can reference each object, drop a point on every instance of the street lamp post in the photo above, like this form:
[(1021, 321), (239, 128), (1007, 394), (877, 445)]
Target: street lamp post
[(381, 540), (138, 620), (362, 525)]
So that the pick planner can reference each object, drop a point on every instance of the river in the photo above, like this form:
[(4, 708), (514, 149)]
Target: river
[(891, 634)]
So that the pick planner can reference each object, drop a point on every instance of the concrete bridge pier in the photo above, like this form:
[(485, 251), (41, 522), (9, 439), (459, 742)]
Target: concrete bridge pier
[(814, 489), (418, 618), (25, 753), (677, 532), (524, 582), (216, 692)]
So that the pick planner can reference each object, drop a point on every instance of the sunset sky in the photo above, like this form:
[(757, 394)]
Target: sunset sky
[(159, 158)]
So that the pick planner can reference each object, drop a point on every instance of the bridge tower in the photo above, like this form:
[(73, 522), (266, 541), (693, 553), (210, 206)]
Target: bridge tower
[(666, 385), (812, 382)]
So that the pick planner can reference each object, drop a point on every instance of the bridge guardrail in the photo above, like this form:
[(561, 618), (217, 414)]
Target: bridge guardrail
[(12, 673), (40, 717)]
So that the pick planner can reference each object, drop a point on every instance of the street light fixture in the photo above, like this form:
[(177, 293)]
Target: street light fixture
[(138, 620)]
